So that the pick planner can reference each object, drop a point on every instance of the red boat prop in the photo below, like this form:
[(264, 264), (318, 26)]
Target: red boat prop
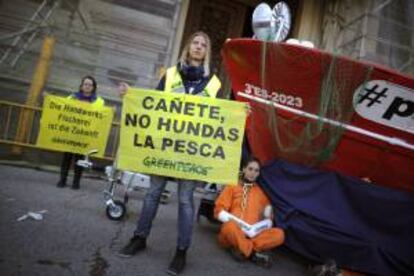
[(314, 108)]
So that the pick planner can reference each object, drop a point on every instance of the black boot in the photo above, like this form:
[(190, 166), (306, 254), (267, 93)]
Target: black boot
[(237, 255), (177, 265), (327, 269), (64, 169), (135, 244), (262, 259), (61, 183), (77, 173), (75, 184)]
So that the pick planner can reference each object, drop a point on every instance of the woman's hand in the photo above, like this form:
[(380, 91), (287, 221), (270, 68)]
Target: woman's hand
[(122, 89)]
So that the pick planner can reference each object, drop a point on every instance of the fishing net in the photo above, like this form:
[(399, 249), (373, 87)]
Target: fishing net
[(317, 83)]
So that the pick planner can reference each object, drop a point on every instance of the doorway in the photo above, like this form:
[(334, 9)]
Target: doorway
[(222, 20)]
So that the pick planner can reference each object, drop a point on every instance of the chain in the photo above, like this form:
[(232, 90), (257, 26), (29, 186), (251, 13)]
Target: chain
[(246, 189)]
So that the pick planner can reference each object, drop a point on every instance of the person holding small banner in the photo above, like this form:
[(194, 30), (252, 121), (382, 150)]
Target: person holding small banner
[(191, 75), (86, 93)]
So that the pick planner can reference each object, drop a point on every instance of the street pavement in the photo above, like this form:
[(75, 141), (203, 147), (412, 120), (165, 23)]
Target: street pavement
[(76, 238)]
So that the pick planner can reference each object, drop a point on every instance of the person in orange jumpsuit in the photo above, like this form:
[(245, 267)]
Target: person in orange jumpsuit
[(248, 202)]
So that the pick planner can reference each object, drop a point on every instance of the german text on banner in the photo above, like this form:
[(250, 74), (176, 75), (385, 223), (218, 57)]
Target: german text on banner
[(73, 126), (181, 136)]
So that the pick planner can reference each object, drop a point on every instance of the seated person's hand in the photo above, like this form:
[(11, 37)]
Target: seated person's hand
[(122, 89), (268, 212)]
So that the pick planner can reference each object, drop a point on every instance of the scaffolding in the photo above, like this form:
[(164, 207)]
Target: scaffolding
[(383, 34), (93, 38), (24, 37)]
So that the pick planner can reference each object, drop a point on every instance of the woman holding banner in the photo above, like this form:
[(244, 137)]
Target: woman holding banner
[(191, 75), (86, 93)]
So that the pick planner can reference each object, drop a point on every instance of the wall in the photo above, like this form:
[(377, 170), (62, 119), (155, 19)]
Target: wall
[(112, 40)]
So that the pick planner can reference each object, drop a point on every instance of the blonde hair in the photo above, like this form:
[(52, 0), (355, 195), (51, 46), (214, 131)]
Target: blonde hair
[(185, 53)]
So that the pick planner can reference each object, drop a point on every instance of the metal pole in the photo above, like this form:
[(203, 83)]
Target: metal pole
[(38, 82)]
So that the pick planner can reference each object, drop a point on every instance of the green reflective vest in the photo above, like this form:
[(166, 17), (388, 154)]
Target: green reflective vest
[(174, 83), (98, 102)]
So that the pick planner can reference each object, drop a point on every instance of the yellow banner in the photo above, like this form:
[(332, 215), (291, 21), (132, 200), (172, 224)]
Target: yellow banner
[(74, 126), (181, 136)]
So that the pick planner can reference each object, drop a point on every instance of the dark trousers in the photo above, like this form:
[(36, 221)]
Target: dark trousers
[(65, 166)]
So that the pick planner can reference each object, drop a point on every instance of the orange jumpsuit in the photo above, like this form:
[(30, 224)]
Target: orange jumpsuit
[(231, 234)]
